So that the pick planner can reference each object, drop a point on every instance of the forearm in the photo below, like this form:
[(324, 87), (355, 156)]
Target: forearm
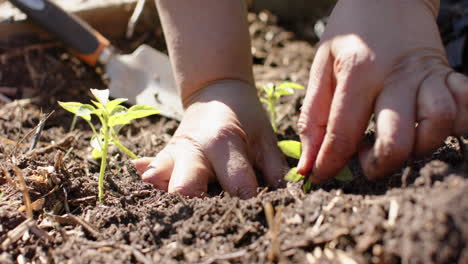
[(208, 40)]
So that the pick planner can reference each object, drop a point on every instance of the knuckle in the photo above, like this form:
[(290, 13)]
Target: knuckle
[(339, 143), (302, 125), (358, 59), (389, 151), (227, 133), (420, 63)]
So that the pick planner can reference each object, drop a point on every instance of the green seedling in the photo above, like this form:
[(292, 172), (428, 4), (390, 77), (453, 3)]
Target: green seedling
[(293, 149), (272, 93), (113, 116)]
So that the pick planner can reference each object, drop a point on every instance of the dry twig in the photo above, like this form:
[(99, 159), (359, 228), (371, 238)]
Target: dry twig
[(23, 188), (39, 129), (134, 18), (63, 143), (274, 222), (228, 256), (69, 219), (27, 225), (19, 143)]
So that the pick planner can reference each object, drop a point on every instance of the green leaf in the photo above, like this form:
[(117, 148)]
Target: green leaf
[(96, 154), (97, 142), (85, 111), (70, 106), (79, 109), (101, 95), (110, 106), (98, 105), (307, 186), (293, 176), (269, 88), (265, 101), (1, 195), (291, 148), (291, 85), (119, 109), (283, 91), (134, 112), (345, 174)]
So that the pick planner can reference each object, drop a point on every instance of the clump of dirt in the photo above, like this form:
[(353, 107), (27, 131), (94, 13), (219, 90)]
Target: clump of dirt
[(417, 215)]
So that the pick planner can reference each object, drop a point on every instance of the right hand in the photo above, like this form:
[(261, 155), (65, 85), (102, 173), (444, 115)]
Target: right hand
[(383, 57)]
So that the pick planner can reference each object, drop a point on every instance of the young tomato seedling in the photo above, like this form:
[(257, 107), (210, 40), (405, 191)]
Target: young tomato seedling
[(293, 149), (272, 93), (113, 116)]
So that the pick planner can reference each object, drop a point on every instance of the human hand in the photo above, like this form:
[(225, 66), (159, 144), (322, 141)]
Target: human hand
[(384, 57), (223, 136)]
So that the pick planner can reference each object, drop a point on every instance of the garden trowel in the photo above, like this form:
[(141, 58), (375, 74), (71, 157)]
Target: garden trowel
[(143, 77)]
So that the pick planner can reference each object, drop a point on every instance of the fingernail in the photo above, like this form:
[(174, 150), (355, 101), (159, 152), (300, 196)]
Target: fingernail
[(149, 173)]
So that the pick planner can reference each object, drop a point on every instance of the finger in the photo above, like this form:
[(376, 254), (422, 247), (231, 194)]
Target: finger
[(141, 164), (231, 164), (192, 171), (436, 113), (315, 109), (349, 115), (395, 129), (271, 162), (158, 172), (458, 86)]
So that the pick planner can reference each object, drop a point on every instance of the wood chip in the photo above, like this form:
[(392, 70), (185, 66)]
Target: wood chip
[(343, 258), (35, 206)]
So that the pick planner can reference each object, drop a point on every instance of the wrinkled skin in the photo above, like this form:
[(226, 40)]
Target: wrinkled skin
[(224, 135), (383, 57)]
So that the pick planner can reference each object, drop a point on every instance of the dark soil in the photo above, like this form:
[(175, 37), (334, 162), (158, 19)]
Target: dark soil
[(418, 215)]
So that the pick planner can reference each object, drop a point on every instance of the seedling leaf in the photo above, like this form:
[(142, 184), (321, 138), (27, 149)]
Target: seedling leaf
[(110, 106), (293, 175), (269, 88), (285, 85), (96, 154), (98, 105), (70, 106), (119, 109), (345, 174), (85, 111), (307, 186), (96, 142), (291, 148), (136, 111), (101, 95), (283, 91)]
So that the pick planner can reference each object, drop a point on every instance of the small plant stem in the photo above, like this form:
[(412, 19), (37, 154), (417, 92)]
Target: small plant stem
[(92, 127), (72, 126), (124, 149), (102, 170), (272, 110)]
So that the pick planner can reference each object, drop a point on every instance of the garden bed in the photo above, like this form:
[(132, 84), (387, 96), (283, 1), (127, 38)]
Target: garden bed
[(418, 215)]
